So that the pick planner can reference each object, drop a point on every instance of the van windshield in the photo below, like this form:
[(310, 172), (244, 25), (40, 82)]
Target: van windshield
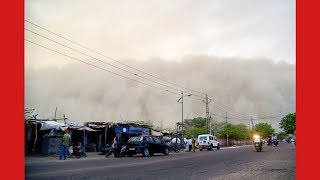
[(203, 138)]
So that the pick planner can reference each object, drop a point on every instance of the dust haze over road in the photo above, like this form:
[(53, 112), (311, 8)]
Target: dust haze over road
[(254, 86)]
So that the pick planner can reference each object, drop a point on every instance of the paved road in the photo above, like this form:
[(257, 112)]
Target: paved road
[(232, 163)]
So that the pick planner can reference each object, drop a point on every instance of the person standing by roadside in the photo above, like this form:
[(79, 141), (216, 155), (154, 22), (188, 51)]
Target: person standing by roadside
[(64, 145), (189, 142), (193, 144), (119, 143)]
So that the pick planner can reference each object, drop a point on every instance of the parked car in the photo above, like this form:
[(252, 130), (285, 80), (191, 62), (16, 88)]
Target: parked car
[(207, 141), (147, 145)]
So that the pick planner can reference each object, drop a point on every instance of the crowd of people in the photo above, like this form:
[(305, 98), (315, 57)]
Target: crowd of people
[(118, 146)]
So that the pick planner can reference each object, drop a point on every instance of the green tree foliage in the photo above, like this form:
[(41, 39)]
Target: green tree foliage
[(234, 131), (195, 126), (264, 129), (198, 122), (216, 127), (288, 123), (282, 135), (195, 132)]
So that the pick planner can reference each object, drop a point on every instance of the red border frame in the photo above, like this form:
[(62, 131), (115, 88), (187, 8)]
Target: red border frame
[(12, 80), (307, 90)]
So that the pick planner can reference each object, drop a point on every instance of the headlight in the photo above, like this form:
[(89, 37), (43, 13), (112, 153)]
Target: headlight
[(256, 136)]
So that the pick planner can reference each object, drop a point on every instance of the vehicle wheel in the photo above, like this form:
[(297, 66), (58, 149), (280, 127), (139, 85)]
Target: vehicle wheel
[(130, 154), (166, 151), (79, 156), (200, 149), (151, 153), (211, 147), (257, 149), (177, 150), (146, 152), (218, 147)]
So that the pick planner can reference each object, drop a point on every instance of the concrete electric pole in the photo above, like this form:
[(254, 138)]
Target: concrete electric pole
[(208, 118)]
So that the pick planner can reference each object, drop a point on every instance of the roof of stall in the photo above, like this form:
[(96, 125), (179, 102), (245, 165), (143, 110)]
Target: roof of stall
[(48, 124)]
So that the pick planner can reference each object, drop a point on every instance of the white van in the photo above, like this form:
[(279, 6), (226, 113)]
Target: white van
[(207, 141)]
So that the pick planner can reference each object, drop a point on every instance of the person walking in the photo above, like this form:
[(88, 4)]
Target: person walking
[(65, 143), (193, 144)]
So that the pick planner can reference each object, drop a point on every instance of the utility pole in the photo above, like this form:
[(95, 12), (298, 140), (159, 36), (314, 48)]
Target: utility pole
[(208, 118), (65, 119), (182, 140), (249, 131), (252, 123), (55, 114), (227, 129)]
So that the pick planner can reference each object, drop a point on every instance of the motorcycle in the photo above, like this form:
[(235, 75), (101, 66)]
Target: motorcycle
[(275, 142), (257, 143), (174, 148), (75, 151), (110, 149)]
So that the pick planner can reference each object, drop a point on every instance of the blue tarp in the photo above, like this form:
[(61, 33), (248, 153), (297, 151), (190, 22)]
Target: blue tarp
[(120, 129), (135, 130), (146, 130), (132, 130)]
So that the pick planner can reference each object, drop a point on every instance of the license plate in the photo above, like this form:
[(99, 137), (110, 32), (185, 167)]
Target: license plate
[(132, 149), (256, 144)]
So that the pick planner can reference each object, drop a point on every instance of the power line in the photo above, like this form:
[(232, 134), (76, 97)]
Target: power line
[(99, 67), (101, 60), (112, 58), (222, 105)]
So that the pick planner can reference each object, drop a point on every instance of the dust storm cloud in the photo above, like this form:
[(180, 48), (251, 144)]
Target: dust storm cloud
[(254, 87)]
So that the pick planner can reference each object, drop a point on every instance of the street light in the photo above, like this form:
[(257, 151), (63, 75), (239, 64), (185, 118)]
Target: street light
[(182, 113)]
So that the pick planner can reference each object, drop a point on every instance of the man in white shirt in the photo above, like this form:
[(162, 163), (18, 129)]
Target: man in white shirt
[(189, 143)]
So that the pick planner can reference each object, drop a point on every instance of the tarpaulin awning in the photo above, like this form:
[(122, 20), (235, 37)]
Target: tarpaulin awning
[(145, 130), (45, 125), (155, 133), (86, 128), (121, 129), (135, 130)]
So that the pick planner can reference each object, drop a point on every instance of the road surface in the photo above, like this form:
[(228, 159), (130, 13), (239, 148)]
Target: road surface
[(229, 163)]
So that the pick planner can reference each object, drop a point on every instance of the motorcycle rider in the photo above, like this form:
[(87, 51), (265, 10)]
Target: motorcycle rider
[(274, 139)]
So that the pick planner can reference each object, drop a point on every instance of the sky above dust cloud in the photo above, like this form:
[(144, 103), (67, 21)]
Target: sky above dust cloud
[(241, 53)]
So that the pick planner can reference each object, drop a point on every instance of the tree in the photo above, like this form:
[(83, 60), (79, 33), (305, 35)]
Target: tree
[(195, 126), (234, 131), (241, 132), (264, 129), (282, 135), (288, 123), (217, 126), (195, 132)]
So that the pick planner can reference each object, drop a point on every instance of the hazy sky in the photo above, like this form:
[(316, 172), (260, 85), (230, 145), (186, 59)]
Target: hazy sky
[(173, 39)]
